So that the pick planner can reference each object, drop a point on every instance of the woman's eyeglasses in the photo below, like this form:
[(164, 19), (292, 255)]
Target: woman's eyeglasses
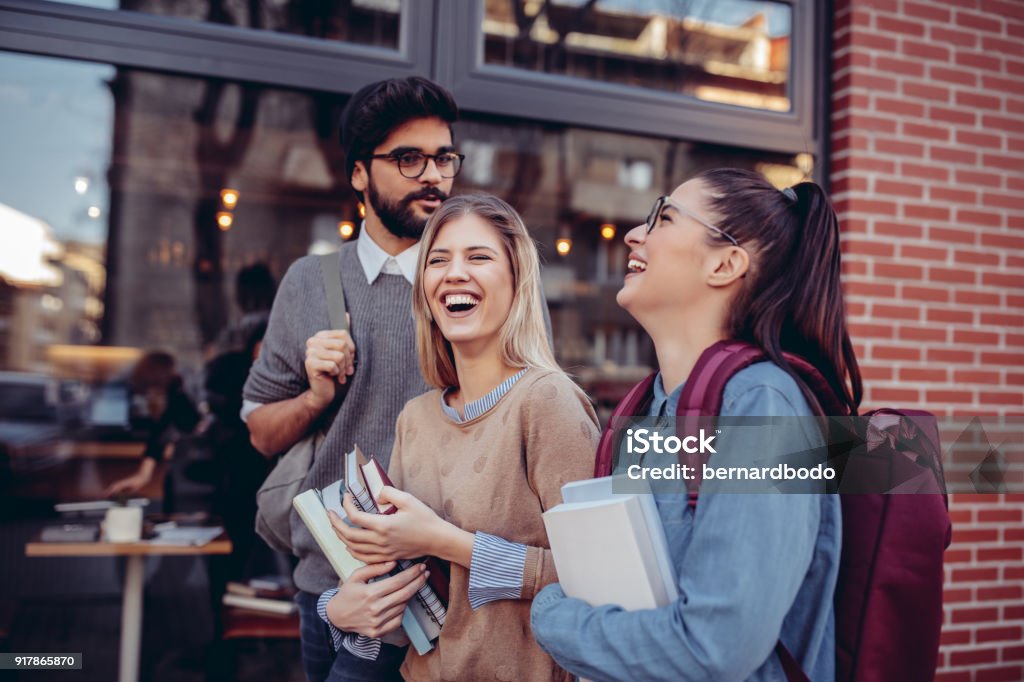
[(654, 217)]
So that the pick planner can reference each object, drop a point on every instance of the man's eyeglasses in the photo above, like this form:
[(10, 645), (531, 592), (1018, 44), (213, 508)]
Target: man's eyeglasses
[(413, 164), (654, 217)]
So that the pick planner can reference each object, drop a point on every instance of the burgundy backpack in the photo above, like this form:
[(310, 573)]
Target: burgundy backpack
[(888, 598)]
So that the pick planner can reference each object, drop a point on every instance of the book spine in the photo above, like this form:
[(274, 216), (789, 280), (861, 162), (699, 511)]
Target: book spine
[(428, 599)]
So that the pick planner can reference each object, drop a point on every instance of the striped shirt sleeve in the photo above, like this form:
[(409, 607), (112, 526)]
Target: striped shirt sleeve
[(495, 570), (356, 644)]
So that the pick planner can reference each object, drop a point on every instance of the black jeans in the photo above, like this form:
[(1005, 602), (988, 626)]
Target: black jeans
[(323, 664)]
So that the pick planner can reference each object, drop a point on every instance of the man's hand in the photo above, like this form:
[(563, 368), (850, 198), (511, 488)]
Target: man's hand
[(330, 360), (374, 609)]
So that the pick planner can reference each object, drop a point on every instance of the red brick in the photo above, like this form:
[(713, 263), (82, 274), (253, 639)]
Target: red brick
[(955, 236), (972, 656), (924, 171), (881, 124), (975, 535), (933, 93), (1000, 554), (848, 140), (904, 67), (1013, 673), (899, 271), (999, 84), (929, 253), (978, 615), (954, 315), (983, 218), (907, 353), (1015, 67), (977, 177), (950, 355), (961, 595), (923, 10), (1013, 613), (925, 375), (1004, 8), (1003, 320), (950, 75), (884, 394), (980, 22), (973, 376), (967, 336), (870, 289), (898, 146), (1015, 399), (910, 333), (954, 36), (1004, 161), (900, 107), (978, 60), (976, 139), (926, 212), (930, 132), (976, 258), (1001, 593), (867, 247), (976, 298), (1011, 201), (958, 116), (872, 41), (953, 195), (953, 155), (953, 675), (1002, 359), (862, 163), (902, 26), (1000, 515), (977, 100), (1002, 240), (1013, 535), (1013, 653), (957, 555), (876, 373), (952, 275), (926, 293), (998, 279), (959, 397), (892, 229)]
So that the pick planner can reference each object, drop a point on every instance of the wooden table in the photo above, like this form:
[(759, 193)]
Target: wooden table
[(134, 554)]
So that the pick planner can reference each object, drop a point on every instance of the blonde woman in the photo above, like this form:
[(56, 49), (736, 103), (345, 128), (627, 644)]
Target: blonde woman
[(482, 457)]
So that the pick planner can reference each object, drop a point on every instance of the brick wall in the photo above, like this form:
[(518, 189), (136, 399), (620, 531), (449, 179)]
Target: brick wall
[(928, 179)]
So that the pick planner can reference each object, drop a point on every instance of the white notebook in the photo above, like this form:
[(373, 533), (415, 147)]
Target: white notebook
[(610, 548)]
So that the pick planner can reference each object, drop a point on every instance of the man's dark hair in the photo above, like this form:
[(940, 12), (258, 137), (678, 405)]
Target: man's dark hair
[(255, 288), (376, 110)]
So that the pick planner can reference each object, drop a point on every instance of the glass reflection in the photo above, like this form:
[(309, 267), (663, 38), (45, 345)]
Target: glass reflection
[(728, 51), (373, 23)]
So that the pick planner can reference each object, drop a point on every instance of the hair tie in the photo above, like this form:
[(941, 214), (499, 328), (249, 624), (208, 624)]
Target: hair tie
[(790, 194)]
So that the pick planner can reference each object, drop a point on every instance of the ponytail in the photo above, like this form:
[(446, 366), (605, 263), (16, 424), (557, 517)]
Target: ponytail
[(792, 300)]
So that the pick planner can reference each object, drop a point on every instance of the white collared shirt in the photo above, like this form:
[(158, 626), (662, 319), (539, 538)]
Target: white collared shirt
[(376, 260)]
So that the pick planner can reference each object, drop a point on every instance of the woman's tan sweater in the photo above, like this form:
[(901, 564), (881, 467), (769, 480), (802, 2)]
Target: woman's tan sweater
[(496, 474)]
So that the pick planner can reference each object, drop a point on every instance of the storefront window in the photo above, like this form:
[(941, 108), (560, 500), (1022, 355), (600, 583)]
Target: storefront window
[(363, 22), (579, 192), (728, 51)]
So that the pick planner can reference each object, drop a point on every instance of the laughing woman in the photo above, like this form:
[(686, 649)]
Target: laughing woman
[(482, 457)]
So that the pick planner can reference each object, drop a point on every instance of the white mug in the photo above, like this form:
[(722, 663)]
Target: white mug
[(123, 524)]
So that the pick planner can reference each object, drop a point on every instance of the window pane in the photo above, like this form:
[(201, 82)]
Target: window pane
[(729, 51), (585, 190), (363, 22), (130, 204)]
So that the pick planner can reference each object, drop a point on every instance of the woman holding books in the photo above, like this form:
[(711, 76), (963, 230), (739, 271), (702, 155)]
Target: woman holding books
[(729, 257), (477, 461)]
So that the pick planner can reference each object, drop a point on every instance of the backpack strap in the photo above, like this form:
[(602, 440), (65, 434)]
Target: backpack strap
[(636, 402), (331, 272)]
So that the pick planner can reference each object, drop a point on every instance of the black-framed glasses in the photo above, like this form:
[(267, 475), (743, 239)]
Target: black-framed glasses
[(413, 164), (654, 217)]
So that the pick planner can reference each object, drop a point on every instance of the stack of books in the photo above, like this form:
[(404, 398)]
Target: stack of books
[(426, 611), (609, 547), (271, 594)]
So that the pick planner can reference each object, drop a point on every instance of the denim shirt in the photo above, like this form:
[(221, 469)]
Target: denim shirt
[(752, 569)]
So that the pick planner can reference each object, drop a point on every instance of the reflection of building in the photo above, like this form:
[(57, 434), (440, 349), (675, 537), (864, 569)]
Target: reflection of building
[(735, 64)]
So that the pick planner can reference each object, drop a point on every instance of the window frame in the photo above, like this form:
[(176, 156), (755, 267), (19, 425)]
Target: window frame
[(193, 48), (510, 91)]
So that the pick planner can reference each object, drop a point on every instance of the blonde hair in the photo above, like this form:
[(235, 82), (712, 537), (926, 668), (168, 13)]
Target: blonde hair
[(523, 338)]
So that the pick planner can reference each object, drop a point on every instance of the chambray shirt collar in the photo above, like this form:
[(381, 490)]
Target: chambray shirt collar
[(664, 403), (478, 407), (376, 260)]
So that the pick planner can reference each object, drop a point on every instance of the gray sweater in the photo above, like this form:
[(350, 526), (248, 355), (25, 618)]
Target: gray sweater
[(386, 376)]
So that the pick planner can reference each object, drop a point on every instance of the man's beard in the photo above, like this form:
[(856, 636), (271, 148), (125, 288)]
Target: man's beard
[(399, 217)]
